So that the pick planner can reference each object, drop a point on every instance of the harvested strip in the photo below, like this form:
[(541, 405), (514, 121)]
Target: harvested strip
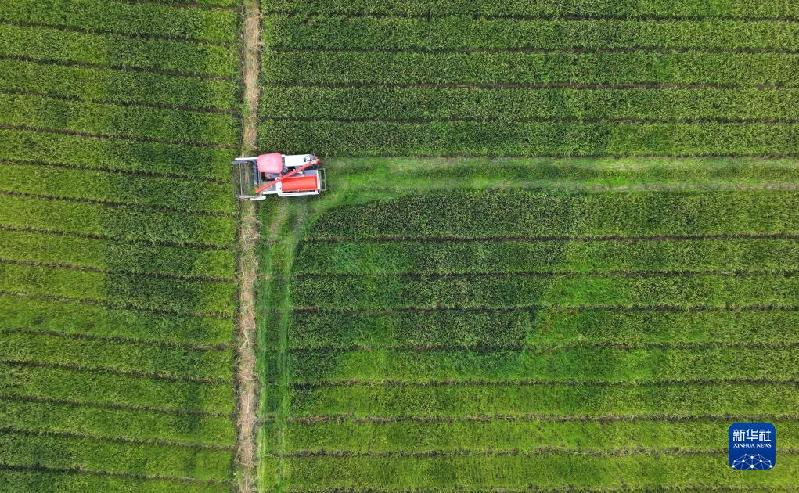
[(70, 418), (104, 389), (391, 103), (535, 139), (480, 68), (114, 188), (70, 452), (117, 51), (297, 32), (130, 18), (118, 355), (120, 86), (199, 129), (192, 162)]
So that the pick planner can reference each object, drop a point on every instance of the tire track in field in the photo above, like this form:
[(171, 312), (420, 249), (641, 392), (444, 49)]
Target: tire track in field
[(246, 330)]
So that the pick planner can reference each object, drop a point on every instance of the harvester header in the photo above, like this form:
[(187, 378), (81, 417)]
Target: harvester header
[(278, 174)]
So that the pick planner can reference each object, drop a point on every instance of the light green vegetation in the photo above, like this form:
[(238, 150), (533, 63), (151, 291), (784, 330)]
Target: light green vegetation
[(117, 231), (528, 323)]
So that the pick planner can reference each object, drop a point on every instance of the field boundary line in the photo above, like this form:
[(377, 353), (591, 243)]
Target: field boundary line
[(119, 372), (528, 418), (246, 335), (119, 239), (82, 336), (157, 442), (122, 34), (118, 68), (111, 406), (555, 238), (156, 175), (115, 137), (5, 466)]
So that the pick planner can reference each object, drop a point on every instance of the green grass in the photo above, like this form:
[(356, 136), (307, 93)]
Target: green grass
[(528, 323)]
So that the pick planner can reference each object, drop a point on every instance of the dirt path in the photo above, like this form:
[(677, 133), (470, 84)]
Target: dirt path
[(246, 379)]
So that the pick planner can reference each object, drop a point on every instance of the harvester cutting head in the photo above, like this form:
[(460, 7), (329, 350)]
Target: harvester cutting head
[(277, 174)]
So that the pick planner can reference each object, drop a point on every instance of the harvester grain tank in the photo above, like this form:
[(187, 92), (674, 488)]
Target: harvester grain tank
[(278, 174)]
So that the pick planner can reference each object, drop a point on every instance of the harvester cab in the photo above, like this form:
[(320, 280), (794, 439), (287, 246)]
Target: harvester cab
[(277, 174)]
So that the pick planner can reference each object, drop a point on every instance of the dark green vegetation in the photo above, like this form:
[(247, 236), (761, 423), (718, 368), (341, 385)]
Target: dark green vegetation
[(117, 259), (512, 324), (519, 78)]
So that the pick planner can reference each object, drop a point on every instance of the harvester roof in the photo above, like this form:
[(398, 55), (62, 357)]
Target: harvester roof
[(271, 163)]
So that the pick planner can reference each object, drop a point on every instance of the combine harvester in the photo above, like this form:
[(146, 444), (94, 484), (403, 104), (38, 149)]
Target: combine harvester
[(277, 174)]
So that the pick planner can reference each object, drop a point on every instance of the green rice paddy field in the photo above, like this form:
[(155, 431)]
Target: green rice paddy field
[(559, 250), (591, 318)]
